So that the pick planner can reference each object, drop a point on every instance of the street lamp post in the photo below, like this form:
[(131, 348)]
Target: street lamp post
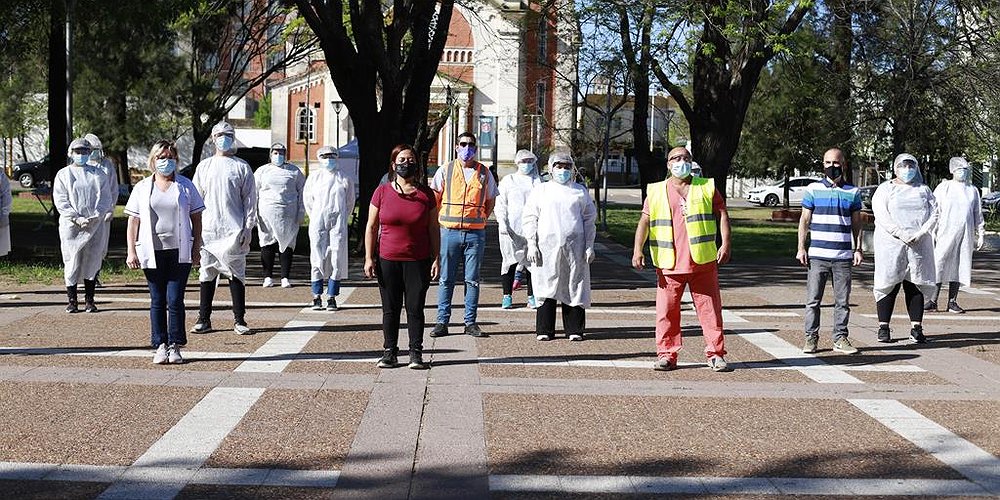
[(337, 106)]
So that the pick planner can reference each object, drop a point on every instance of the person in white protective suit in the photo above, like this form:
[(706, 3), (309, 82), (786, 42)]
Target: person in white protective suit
[(98, 159), (960, 229), (226, 184), (513, 193), (6, 203), (905, 216), (280, 212), (329, 201), (80, 195), (558, 224)]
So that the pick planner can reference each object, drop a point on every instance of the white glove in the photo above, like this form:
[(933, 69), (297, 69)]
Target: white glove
[(533, 254), (589, 254), (980, 240), (245, 236), (83, 222), (108, 216)]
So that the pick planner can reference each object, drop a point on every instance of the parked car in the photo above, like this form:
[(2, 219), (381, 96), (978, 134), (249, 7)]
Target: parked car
[(866, 193), (28, 173), (773, 195), (991, 205)]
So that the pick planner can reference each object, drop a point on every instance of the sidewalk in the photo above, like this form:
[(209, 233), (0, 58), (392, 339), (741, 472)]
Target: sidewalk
[(299, 409)]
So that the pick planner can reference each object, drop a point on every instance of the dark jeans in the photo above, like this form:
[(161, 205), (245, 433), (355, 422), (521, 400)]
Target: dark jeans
[(574, 318), (914, 303), (507, 280), (166, 298), (820, 271), (267, 254), (403, 283)]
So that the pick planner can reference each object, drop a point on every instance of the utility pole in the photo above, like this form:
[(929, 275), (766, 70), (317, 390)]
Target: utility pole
[(602, 175)]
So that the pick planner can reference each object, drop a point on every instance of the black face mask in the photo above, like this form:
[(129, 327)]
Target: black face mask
[(834, 172), (405, 170)]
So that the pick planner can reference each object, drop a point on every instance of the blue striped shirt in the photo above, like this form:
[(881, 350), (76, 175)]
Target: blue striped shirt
[(830, 226)]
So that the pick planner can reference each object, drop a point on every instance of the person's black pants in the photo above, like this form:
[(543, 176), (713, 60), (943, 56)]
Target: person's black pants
[(267, 254), (574, 318), (403, 283), (507, 280), (237, 290), (914, 299)]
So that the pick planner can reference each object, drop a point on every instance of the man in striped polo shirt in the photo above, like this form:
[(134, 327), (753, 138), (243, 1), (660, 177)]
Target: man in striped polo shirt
[(831, 217)]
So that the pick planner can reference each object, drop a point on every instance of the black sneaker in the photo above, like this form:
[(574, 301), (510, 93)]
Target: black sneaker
[(917, 334), (884, 334), (953, 307), (92, 308), (930, 305), (389, 359), (331, 304), (317, 303), (440, 330), (72, 308), (474, 331), (202, 326), (417, 361)]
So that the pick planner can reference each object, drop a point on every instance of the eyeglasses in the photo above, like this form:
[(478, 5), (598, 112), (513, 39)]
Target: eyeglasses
[(463, 144), (82, 151), (560, 164), (326, 156), (406, 161)]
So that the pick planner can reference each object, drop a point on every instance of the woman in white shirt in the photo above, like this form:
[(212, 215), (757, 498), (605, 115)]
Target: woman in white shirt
[(164, 240)]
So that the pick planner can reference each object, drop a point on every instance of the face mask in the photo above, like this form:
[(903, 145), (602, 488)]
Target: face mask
[(962, 175), (224, 142), (80, 158), (465, 153), (329, 163), (562, 175), (834, 172), (907, 174), (405, 170), (526, 168), (96, 156), (166, 166), (278, 159), (681, 169)]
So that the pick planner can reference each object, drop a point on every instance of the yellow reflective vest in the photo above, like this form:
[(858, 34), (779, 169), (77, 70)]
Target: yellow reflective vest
[(700, 222), (463, 205)]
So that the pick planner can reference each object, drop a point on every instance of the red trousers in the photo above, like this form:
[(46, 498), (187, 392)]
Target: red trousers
[(704, 286)]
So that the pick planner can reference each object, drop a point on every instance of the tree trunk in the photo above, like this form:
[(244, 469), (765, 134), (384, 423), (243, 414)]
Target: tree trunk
[(57, 88), (843, 44), (119, 108)]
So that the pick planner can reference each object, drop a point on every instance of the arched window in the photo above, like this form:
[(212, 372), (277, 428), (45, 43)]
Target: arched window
[(305, 124)]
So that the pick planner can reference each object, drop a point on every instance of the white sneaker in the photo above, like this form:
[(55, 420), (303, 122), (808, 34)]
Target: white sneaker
[(174, 354), (543, 338), (160, 357), (268, 282), (285, 283), (241, 329), (576, 337)]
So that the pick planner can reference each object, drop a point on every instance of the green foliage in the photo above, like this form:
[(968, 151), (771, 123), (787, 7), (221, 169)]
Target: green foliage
[(262, 117)]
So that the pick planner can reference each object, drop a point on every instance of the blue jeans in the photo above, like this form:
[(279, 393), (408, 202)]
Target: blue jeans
[(460, 245), (333, 290), (821, 271), (166, 298)]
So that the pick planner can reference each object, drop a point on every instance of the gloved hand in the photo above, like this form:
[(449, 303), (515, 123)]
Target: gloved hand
[(245, 236), (914, 237), (83, 222), (903, 235), (980, 240), (533, 254), (108, 216), (589, 254)]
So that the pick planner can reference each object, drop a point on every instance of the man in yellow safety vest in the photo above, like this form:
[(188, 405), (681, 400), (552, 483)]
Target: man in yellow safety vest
[(680, 218)]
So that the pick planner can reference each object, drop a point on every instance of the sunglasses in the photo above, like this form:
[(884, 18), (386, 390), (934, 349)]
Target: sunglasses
[(463, 144)]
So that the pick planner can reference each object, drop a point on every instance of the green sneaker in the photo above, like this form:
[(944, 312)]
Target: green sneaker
[(843, 345), (812, 344)]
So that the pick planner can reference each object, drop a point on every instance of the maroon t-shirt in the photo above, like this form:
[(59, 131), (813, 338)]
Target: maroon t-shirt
[(403, 222)]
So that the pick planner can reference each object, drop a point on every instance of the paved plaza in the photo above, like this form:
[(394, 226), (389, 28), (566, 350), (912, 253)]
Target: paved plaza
[(299, 409)]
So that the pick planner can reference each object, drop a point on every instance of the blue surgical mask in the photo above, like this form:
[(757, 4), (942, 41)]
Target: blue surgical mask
[(962, 174), (166, 166), (465, 153), (81, 158), (526, 168), (562, 175), (328, 163), (224, 142), (278, 159), (680, 169), (96, 156), (906, 174)]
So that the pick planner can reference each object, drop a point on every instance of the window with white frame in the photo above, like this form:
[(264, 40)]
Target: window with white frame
[(306, 124)]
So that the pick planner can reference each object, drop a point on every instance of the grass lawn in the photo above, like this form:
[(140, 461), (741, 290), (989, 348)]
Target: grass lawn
[(754, 236)]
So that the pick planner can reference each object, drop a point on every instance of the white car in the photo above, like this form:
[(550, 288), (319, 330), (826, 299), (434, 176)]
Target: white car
[(773, 195)]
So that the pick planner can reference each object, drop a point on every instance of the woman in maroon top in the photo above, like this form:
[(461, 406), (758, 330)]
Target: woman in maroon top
[(403, 225)]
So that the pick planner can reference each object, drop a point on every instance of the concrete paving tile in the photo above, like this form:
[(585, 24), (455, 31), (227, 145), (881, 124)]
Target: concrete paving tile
[(25, 471), (302, 478), (294, 429), (687, 373), (667, 485), (214, 492), (550, 434), (142, 490), (87, 473), (244, 477), (300, 381), (340, 367), (974, 421), (249, 380), (51, 490), (885, 378)]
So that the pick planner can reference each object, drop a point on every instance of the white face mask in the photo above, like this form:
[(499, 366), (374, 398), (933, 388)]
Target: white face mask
[(680, 169), (562, 175), (906, 173), (278, 159), (962, 174), (526, 168), (328, 163), (224, 142), (81, 158)]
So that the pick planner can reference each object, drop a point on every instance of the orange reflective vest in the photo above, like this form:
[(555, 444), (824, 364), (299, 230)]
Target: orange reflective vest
[(463, 205)]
